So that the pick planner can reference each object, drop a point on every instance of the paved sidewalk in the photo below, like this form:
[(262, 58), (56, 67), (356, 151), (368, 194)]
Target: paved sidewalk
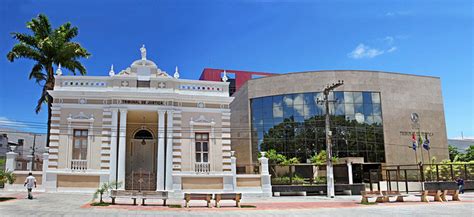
[(75, 204)]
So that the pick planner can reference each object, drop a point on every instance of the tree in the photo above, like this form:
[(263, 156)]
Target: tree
[(48, 47), (453, 152), (105, 187), (469, 155), (7, 177)]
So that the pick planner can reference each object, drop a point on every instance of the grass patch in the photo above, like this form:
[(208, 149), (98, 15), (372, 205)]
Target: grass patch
[(248, 206), (6, 198), (100, 204), (174, 206), (369, 203)]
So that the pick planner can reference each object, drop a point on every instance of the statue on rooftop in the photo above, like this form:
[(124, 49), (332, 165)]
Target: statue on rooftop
[(143, 51)]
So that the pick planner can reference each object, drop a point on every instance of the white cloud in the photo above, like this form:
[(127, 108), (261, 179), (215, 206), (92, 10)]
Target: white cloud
[(389, 40), (398, 13), (392, 49), (363, 51)]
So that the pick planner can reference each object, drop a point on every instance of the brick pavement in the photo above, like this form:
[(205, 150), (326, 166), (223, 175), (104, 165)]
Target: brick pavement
[(74, 204)]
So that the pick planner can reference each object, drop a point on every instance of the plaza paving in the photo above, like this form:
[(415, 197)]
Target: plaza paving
[(75, 204)]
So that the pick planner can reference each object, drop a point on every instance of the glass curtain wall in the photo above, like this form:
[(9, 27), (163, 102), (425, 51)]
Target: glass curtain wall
[(294, 125)]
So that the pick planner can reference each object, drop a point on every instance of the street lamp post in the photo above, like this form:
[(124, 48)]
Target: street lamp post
[(329, 163)]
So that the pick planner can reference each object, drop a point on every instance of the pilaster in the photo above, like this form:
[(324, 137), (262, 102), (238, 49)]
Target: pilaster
[(122, 148)]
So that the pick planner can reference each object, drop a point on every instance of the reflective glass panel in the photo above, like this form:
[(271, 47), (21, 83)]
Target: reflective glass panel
[(377, 109), (375, 97), (348, 97), (277, 112), (288, 100), (339, 96), (368, 109), (293, 125), (367, 97), (298, 99), (298, 110), (358, 97), (349, 108), (309, 99)]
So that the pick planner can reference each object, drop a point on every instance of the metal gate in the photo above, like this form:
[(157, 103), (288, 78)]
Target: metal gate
[(141, 181)]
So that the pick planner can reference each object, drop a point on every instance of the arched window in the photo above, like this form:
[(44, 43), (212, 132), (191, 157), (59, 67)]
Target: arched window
[(143, 134)]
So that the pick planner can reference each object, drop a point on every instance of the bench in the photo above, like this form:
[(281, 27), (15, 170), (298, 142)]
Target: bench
[(453, 193), (433, 193), (124, 194), (371, 194), (194, 196), (163, 195), (397, 194), (228, 196)]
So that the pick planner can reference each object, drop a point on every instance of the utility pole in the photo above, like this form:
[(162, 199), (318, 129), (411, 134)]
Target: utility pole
[(33, 153), (329, 165)]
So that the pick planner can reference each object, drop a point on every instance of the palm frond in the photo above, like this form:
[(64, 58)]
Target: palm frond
[(72, 50), (40, 26), (73, 66), (37, 73), (68, 31), (42, 99), (23, 50), (25, 38)]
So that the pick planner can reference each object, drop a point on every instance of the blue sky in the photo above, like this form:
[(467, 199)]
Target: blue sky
[(416, 37)]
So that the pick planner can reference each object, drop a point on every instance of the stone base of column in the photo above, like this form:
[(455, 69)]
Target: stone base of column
[(229, 183), (177, 183), (50, 183), (266, 185)]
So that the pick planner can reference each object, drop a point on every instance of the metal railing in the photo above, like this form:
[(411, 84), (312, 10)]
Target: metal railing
[(405, 177), (429, 172), (305, 174), (78, 165), (202, 167)]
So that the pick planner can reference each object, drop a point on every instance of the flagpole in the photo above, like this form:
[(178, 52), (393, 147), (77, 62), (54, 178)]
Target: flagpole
[(416, 157), (429, 157), (421, 151)]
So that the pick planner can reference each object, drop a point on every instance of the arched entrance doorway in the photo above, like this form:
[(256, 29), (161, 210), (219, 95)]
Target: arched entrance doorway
[(141, 161)]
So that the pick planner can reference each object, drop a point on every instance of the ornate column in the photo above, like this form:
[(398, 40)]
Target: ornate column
[(169, 150), (113, 147), (122, 148), (160, 169)]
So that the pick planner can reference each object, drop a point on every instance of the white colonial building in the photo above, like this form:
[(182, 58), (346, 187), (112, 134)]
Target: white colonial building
[(145, 129)]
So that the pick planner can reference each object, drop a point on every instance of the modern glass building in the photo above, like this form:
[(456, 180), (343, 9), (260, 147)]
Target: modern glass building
[(294, 124), (370, 116)]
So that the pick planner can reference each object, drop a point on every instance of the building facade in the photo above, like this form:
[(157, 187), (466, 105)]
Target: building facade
[(236, 78), (373, 115), (28, 146), (144, 129)]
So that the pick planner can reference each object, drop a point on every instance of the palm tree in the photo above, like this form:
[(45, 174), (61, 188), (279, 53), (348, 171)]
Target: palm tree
[(48, 47), (7, 177), (104, 188)]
